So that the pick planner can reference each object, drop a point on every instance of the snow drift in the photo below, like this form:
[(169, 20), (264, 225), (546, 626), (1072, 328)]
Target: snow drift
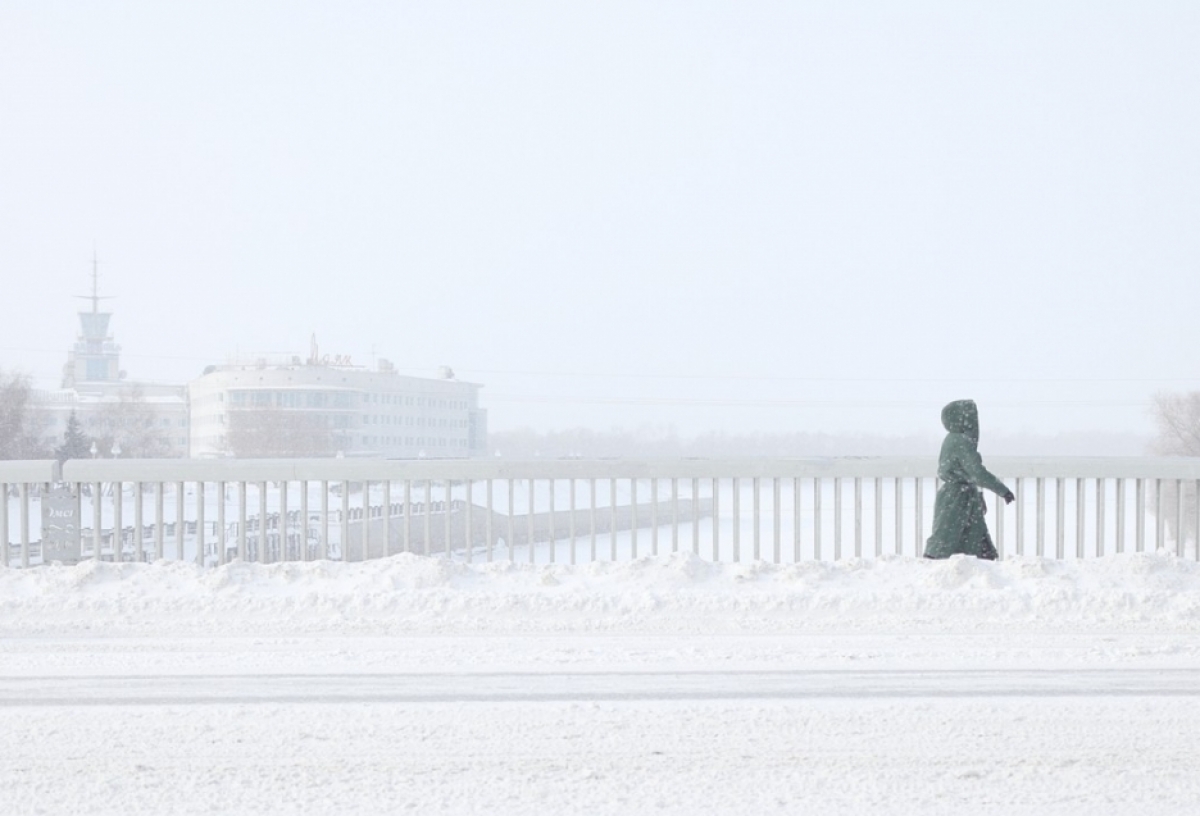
[(413, 594)]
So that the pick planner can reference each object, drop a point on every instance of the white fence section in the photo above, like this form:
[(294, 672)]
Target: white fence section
[(214, 511)]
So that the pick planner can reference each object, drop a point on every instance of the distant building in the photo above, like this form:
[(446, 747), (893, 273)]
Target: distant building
[(136, 418), (326, 406)]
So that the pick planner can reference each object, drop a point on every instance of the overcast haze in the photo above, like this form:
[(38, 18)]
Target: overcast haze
[(737, 216)]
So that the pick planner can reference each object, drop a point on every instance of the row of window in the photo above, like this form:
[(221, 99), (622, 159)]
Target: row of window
[(430, 442), (386, 419), (290, 399), (422, 402), (332, 399)]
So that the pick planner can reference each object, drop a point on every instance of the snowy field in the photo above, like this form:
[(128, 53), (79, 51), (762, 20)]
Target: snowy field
[(665, 685)]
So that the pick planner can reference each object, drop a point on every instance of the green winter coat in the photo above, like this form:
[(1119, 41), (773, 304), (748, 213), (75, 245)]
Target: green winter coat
[(959, 525)]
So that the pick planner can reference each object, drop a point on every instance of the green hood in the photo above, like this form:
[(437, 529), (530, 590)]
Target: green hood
[(962, 417)]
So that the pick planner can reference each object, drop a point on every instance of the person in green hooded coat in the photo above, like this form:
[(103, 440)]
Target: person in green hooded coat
[(959, 525)]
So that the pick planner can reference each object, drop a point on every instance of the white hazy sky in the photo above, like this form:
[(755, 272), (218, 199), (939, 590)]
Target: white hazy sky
[(741, 215)]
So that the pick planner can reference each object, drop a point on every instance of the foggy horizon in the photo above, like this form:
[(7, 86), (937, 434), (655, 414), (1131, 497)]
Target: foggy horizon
[(741, 219)]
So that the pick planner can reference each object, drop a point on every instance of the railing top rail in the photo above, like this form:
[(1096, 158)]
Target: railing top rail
[(29, 471), (250, 470)]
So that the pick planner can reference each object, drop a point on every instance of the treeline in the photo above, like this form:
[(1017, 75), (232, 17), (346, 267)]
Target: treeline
[(656, 443)]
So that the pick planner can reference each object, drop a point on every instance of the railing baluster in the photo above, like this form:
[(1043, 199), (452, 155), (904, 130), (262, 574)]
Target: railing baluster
[(324, 519), (98, 526), (1140, 515), (283, 522), (305, 554), (408, 547), (24, 496), (633, 523), (1080, 506), (488, 530), (139, 554), (1041, 517), (1159, 534), (553, 534), (612, 518), (511, 521), (159, 519), (817, 491), (757, 507), (1196, 520), (797, 541), (737, 520), (221, 553), (388, 549), (776, 512), (344, 527), (179, 500), (263, 554), (366, 520), (241, 520), (898, 512), (716, 510), (837, 519), (468, 532), (1059, 518), (529, 522), (858, 517), (1120, 515), (878, 516), (118, 522), (696, 516), (1000, 549), (571, 522), (427, 547), (654, 517), (1019, 492), (447, 506), (1101, 490), (1179, 517), (200, 523), (674, 514), (919, 518), (6, 555), (592, 519)]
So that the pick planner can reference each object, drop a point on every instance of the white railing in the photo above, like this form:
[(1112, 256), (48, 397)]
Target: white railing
[(213, 511)]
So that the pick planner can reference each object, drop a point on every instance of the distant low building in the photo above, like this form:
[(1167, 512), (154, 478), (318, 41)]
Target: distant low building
[(327, 406)]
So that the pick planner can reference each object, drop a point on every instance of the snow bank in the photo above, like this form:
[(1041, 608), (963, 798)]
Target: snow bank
[(677, 593)]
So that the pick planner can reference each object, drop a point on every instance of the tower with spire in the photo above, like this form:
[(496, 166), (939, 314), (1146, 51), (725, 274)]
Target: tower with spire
[(94, 364)]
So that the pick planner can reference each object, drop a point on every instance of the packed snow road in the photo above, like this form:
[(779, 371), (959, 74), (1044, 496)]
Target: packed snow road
[(662, 686), (534, 724)]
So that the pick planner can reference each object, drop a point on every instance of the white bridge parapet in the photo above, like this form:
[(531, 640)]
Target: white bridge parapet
[(541, 511)]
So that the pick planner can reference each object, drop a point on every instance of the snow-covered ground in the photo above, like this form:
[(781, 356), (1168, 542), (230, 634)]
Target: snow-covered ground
[(665, 685)]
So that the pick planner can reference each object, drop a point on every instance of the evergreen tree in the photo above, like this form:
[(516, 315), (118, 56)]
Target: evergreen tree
[(76, 444)]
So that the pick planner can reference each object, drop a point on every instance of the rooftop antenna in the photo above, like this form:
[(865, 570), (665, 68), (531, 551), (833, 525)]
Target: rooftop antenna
[(95, 297)]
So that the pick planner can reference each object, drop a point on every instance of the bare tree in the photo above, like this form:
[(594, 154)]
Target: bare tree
[(21, 422), (268, 432), (1178, 419), (131, 423)]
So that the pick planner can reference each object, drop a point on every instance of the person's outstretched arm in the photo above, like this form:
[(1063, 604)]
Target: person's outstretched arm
[(972, 464)]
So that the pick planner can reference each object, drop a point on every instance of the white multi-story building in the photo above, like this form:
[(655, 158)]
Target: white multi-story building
[(325, 406)]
